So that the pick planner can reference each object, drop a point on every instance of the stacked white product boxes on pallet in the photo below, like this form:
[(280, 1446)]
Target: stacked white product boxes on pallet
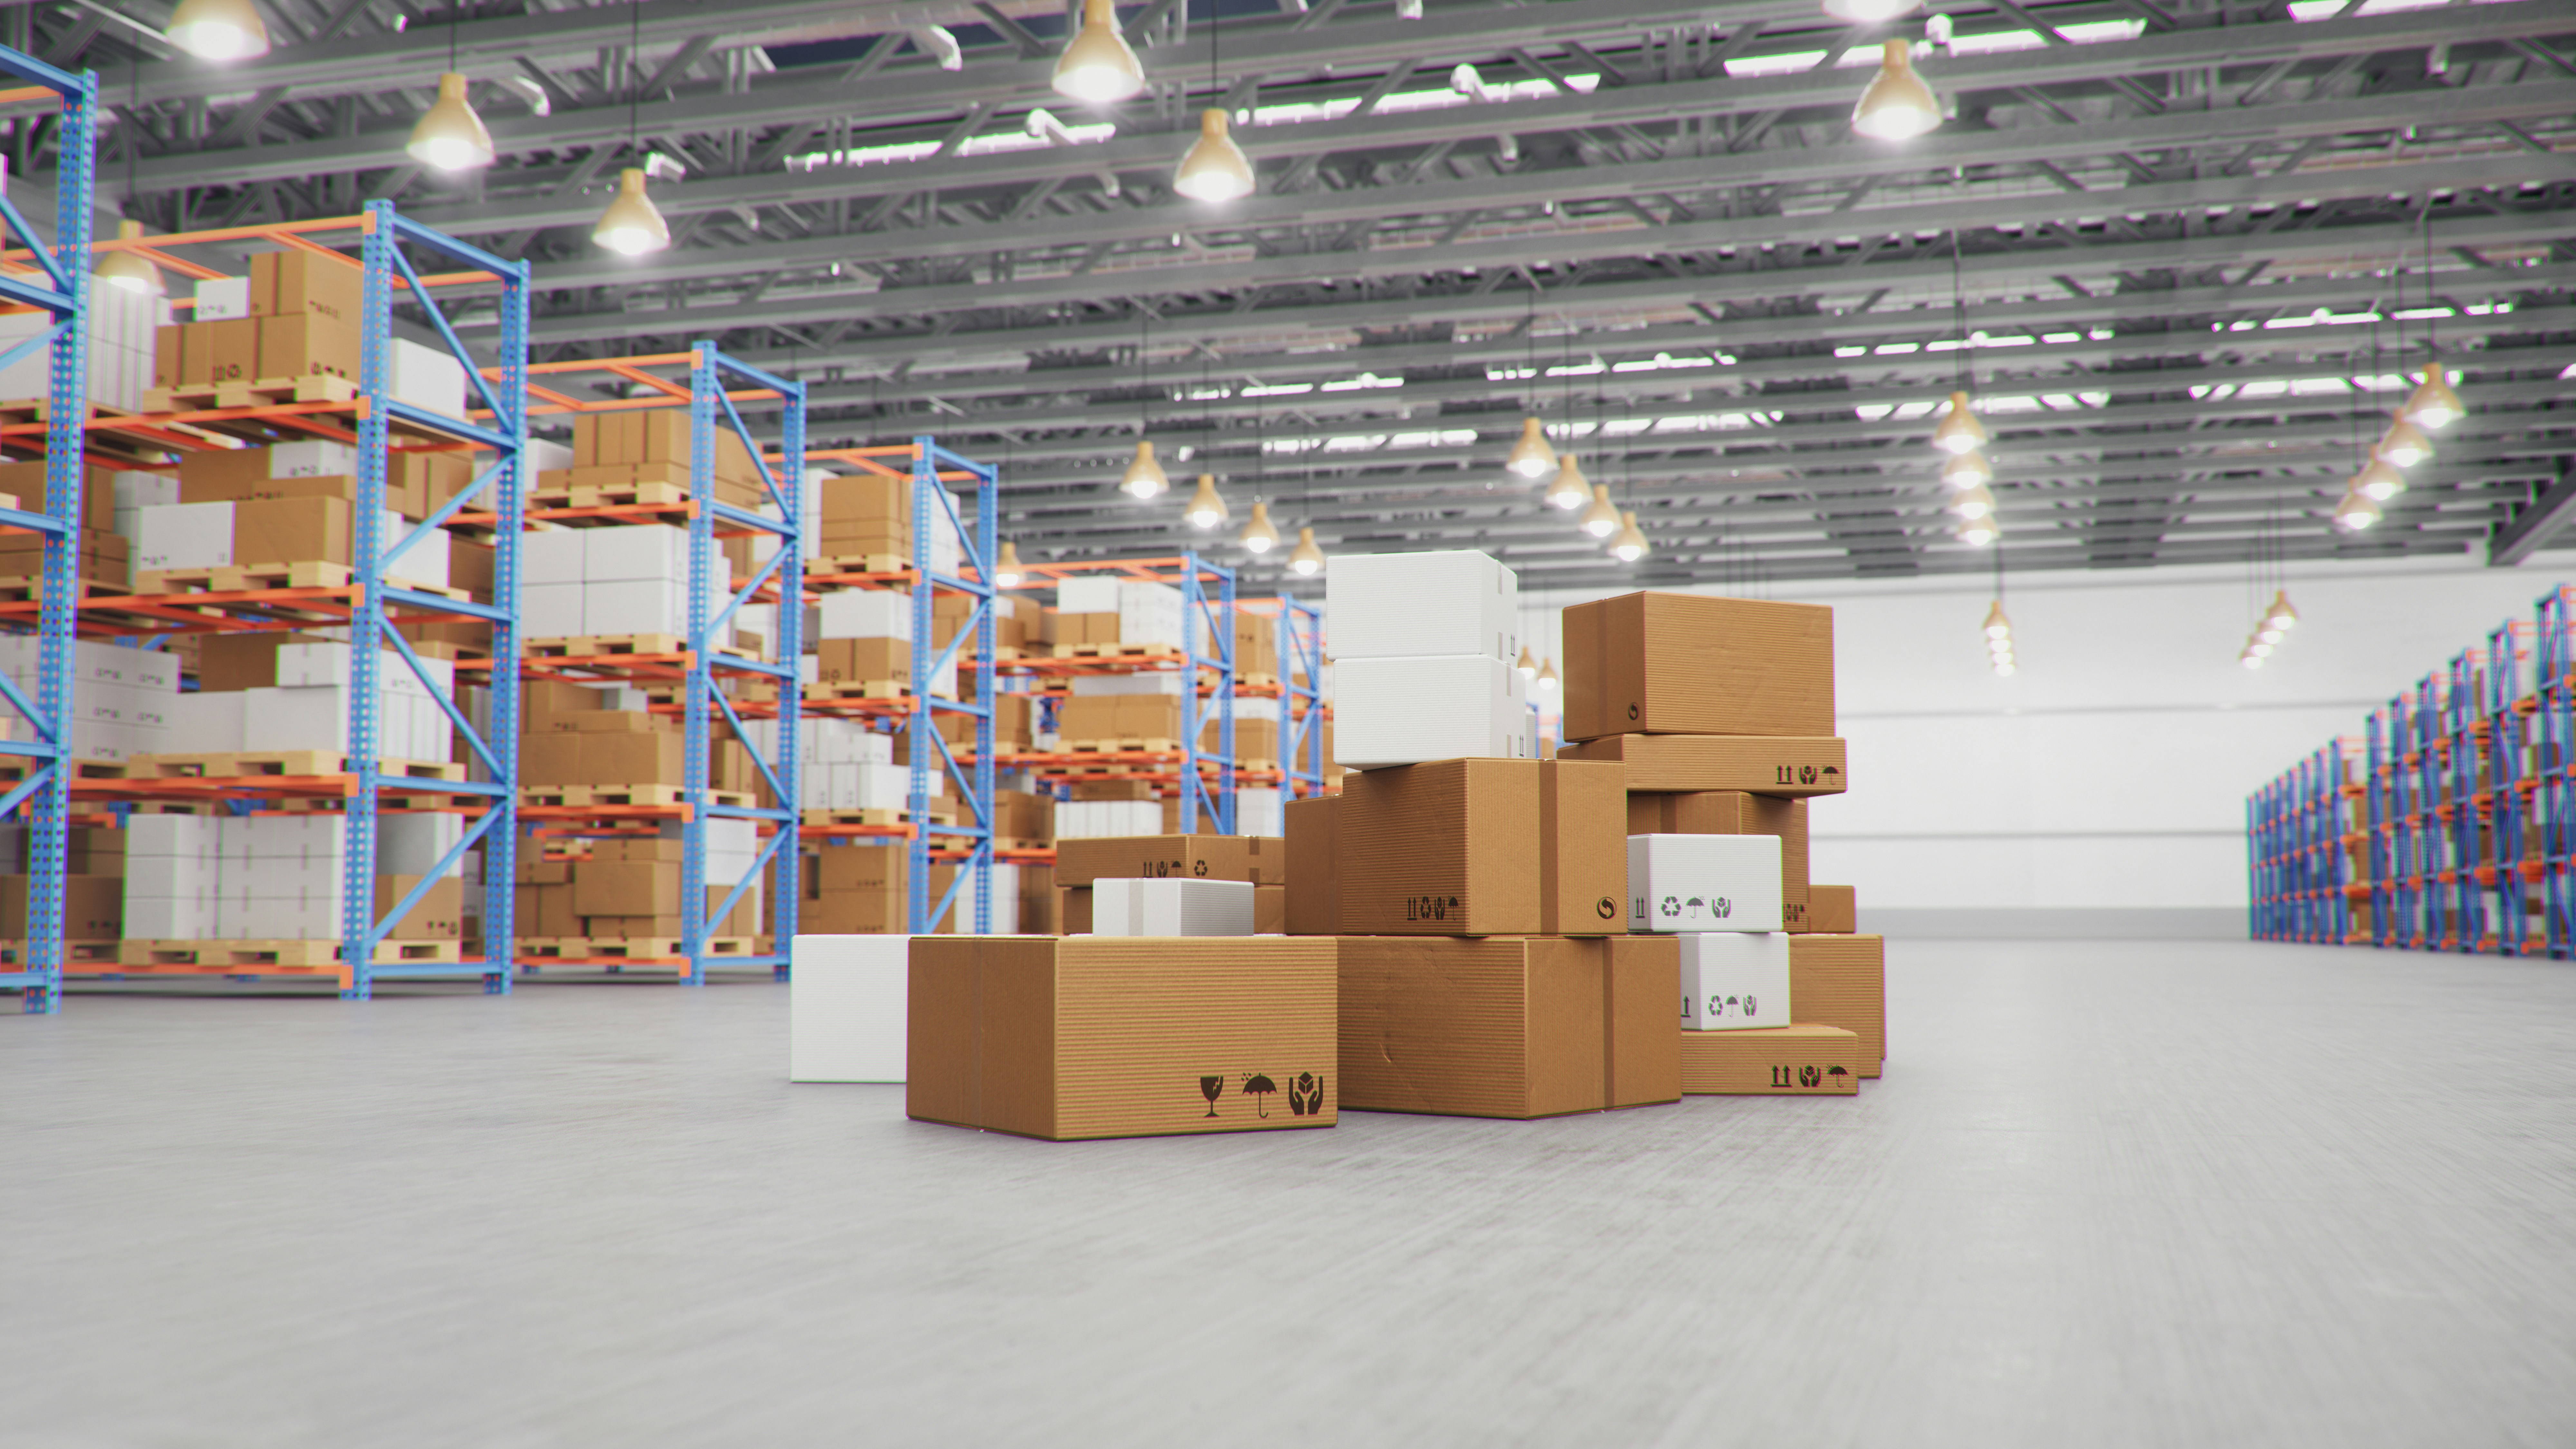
[(611, 581), (120, 348), (261, 877), (1107, 819), (201, 536), (308, 708), (123, 699), (875, 614), (1148, 613), (1424, 646)]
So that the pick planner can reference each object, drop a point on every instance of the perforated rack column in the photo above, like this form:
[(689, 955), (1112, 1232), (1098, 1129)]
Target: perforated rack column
[(1216, 619), (710, 405), (923, 741), (1300, 643), (504, 483), (43, 792)]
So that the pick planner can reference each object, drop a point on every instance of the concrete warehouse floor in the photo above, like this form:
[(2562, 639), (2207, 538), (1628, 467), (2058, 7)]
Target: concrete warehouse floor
[(2108, 1194)]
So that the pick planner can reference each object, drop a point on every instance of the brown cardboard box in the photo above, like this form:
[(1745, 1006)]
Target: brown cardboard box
[(1113, 789), (645, 754), (242, 661), (854, 661), (439, 916), (1841, 981), (1657, 663), (626, 888), (243, 490), (1082, 628), (1256, 644), (1831, 910), (1764, 765), (1731, 812), (1073, 910), (1256, 737), (1771, 1061), (170, 356), (1260, 859), (1066, 1038), (232, 349), (546, 911), (224, 471), (538, 871), (307, 345), (1087, 717), (1583, 848), (871, 496), (1270, 910), (862, 890), (470, 565), (27, 482), (1020, 815), (299, 282), (1522, 1026), (93, 907), (94, 850), (1314, 897), (273, 531), (99, 558), (1449, 848), (845, 539)]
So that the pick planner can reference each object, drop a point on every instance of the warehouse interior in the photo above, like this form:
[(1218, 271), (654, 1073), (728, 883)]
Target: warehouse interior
[(707, 707)]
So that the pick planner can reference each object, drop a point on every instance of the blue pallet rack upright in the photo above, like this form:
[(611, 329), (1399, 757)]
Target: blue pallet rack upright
[(1211, 619), (502, 486), (2553, 759), (1301, 737), (43, 794), (927, 749), (710, 406)]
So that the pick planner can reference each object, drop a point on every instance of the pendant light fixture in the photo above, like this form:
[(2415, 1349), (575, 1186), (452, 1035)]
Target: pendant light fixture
[(1098, 67), (2280, 615), (1547, 680), (1960, 431), (218, 30), (1215, 170), (1601, 519), (449, 136), (1868, 12), (2357, 512), (1259, 535), (632, 226), (1997, 629), (1528, 665), (1206, 510), (131, 271), (1967, 470), (1976, 502), (2433, 406), (1306, 559), (1144, 477), (2404, 444), (1897, 106), (1007, 572), (1571, 490), (1979, 531), (1630, 544), (2378, 480), (1531, 456)]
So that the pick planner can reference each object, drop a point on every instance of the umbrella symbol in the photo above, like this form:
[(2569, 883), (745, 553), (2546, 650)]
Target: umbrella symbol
[(1836, 1072), (1259, 1088)]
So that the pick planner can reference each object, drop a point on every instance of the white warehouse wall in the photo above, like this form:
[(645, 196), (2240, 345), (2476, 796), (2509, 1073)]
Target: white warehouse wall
[(2101, 789)]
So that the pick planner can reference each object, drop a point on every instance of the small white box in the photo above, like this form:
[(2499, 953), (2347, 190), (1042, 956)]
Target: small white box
[(411, 844), (1087, 596), (184, 536), (161, 918), (222, 299), (1406, 711), (1704, 883), (1161, 681), (554, 556), (428, 377), (553, 611), (846, 1008), (865, 614), (1258, 811), (210, 721), (1733, 980), (651, 551), (1133, 906), (1397, 605), (312, 458)]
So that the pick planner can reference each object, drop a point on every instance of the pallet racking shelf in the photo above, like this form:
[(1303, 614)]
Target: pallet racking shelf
[(2450, 821), (54, 280), (369, 598)]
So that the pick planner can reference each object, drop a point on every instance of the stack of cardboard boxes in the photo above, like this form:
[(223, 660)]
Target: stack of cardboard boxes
[(103, 549), (645, 454), (294, 318)]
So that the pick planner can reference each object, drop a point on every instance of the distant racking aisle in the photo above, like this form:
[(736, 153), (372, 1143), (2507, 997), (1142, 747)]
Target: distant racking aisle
[(56, 282)]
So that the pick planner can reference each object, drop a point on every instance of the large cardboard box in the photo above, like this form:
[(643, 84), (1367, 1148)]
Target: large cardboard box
[(232, 350), (1765, 766), (1842, 981), (1517, 1026), (298, 282), (626, 888), (1314, 897), (1073, 910), (1777, 1061), (273, 531), (1084, 1037), (1449, 848), (309, 345), (643, 754), (1260, 859), (853, 661), (858, 889), (93, 907), (1657, 663), (1830, 910), (1582, 847), (1731, 812)]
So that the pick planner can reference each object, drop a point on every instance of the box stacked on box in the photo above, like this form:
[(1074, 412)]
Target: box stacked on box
[(1423, 647)]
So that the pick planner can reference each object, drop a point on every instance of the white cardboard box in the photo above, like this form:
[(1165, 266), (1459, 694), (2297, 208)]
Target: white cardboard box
[(1398, 605), (553, 611), (554, 556), (1133, 906), (865, 614), (846, 1008), (1732, 980), (1704, 883), (1405, 711), (184, 536)]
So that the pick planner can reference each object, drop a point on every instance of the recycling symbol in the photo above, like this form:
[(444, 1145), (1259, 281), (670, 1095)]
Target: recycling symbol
[(1672, 905)]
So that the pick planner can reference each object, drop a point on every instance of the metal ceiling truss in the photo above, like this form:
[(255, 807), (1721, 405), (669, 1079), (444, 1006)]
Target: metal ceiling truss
[(2161, 196)]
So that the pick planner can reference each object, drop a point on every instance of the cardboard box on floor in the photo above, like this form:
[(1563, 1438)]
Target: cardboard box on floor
[(1842, 981), (1731, 812), (1260, 859), (1479, 847), (1657, 663), (1774, 1061), (1513, 1026), (1779, 765), (1831, 910), (1066, 1038)]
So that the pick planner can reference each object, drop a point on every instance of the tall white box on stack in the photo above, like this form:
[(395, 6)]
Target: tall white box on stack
[(172, 866), (551, 581), (183, 536), (428, 377), (308, 709), (1424, 645), (1704, 883), (1258, 811), (636, 581), (1734, 980)]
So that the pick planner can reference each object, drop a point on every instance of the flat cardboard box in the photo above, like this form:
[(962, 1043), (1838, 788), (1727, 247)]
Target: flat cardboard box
[(1314, 897), (1659, 663), (1731, 812), (1582, 847), (1764, 766), (1842, 981), (1270, 910), (1831, 910), (1260, 859), (1067, 1038), (232, 349), (626, 888), (1777, 1061), (546, 910), (1449, 848), (1514, 1027)]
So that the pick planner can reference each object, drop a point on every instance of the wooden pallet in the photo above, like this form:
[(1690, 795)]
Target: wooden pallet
[(231, 958), (877, 817), (1113, 653), (872, 563), (233, 764), (620, 646), (858, 689), (312, 574), (263, 392), (661, 950), (1153, 746), (629, 495), (76, 954), (25, 590), (584, 797)]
